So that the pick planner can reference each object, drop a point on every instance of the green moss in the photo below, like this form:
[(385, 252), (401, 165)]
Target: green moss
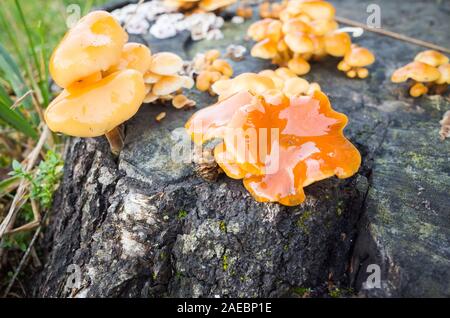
[(335, 293), (301, 222), (182, 214), (301, 291), (225, 264), (223, 226)]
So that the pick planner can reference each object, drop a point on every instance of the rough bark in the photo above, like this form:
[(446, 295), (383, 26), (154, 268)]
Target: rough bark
[(144, 226)]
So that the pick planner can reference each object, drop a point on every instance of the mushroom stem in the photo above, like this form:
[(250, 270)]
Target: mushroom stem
[(115, 140)]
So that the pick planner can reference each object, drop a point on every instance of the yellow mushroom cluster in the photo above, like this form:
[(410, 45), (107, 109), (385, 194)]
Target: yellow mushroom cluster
[(106, 79), (163, 82), (429, 70), (198, 5), (210, 68), (304, 31), (270, 82)]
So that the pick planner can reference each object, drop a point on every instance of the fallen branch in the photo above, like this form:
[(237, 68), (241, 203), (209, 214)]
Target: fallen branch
[(391, 34)]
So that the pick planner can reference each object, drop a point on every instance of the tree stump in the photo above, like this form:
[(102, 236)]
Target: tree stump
[(142, 225)]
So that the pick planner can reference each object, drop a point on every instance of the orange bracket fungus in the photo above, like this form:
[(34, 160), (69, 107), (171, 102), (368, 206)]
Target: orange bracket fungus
[(278, 144), (106, 80), (293, 33), (430, 69)]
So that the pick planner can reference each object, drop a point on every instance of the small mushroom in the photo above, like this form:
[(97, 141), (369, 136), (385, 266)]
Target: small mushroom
[(97, 109), (418, 89), (244, 82), (134, 56), (265, 49), (337, 43), (444, 71), (418, 71), (166, 63), (316, 10), (93, 45), (432, 58), (299, 42), (355, 60), (299, 65)]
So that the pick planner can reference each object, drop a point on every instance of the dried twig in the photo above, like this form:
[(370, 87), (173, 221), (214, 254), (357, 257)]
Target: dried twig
[(25, 256), (21, 99), (18, 201), (391, 34)]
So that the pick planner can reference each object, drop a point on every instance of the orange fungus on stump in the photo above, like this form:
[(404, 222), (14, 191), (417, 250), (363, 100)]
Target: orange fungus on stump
[(296, 141)]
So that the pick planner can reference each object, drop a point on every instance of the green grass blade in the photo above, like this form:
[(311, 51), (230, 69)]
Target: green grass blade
[(30, 39), (16, 120), (13, 76)]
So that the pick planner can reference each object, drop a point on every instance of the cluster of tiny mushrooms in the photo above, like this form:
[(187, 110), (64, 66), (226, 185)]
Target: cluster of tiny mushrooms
[(106, 80)]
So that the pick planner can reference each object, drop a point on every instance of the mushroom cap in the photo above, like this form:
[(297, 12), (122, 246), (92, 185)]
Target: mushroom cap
[(211, 5), (93, 110), (299, 42), (323, 26), (251, 82), (299, 65), (296, 25), (431, 57), (258, 31), (166, 63), (316, 10), (337, 43), (168, 84), (265, 49), (277, 80), (295, 86), (210, 122), (94, 44), (417, 71), (134, 56), (358, 56), (285, 73), (444, 71)]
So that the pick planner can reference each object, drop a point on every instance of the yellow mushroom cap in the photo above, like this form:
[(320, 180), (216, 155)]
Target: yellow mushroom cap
[(295, 86), (211, 5), (299, 42), (258, 30), (264, 49), (256, 84), (168, 84), (444, 71), (337, 43), (93, 110), (94, 44), (317, 10), (417, 71), (296, 25), (134, 56), (358, 56), (323, 26), (166, 63), (299, 65), (431, 57)]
